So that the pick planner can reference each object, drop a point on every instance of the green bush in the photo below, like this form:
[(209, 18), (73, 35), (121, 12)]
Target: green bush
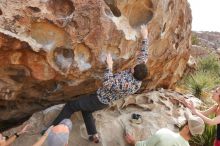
[(201, 81), (194, 40), (209, 64), (205, 78)]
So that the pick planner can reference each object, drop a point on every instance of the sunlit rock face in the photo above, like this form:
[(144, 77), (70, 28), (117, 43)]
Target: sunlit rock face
[(54, 50)]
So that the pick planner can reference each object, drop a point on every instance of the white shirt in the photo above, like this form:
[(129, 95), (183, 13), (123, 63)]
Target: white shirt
[(164, 137)]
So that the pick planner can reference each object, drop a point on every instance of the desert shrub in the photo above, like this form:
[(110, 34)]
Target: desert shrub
[(194, 40), (210, 64), (204, 78), (201, 81)]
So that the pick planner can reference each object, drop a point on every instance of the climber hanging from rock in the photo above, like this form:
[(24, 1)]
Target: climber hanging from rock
[(115, 86)]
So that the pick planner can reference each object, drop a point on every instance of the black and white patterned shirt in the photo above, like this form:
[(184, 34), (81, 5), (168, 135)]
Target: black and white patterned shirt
[(121, 84)]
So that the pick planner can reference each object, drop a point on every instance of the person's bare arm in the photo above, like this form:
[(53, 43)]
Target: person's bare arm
[(108, 75), (43, 138), (130, 139), (143, 54), (206, 119), (13, 137), (109, 61), (206, 113), (211, 110), (10, 140)]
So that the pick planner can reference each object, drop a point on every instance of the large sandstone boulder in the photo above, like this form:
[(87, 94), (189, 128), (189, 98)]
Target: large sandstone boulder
[(54, 50), (159, 109)]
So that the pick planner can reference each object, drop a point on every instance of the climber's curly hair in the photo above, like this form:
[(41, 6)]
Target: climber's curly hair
[(140, 72)]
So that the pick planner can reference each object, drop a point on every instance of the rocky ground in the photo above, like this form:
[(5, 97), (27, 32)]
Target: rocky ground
[(159, 109)]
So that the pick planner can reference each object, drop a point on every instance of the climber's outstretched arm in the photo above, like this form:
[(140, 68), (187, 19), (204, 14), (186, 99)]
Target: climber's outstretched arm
[(143, 55)]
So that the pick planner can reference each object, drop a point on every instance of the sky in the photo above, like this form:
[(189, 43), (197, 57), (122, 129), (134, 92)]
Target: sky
[(206, 15)]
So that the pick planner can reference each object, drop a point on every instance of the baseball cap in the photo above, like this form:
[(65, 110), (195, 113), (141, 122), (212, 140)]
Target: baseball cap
[(61, 138), (195, 123)]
